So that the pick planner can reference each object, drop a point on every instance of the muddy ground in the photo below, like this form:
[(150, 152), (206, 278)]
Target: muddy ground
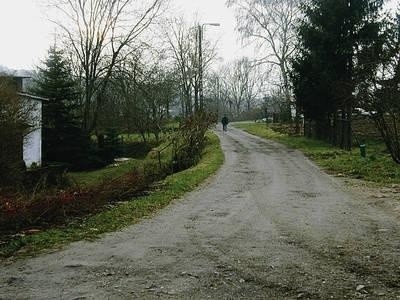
[(269, 225)]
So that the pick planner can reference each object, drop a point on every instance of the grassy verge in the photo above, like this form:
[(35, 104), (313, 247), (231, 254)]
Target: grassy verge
[(121, 215), (94, 177), (377, 167), (90, 178)]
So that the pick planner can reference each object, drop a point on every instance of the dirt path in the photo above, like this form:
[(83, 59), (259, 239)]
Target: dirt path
[(270, 225)]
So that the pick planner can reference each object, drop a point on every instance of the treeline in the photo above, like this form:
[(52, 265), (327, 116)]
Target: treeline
[(109, 77), (111, 72), (136, 100), (348, 61), (326, 61), (236, 89)]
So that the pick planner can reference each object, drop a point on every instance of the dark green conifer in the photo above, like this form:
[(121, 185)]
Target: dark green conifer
[(333, 37), (63, 139)]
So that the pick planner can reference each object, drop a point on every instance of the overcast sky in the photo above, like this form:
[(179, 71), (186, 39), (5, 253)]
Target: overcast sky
[(26, 34)]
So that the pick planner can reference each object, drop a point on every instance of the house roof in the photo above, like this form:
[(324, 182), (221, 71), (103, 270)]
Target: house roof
[(33, 97), (13, 76)]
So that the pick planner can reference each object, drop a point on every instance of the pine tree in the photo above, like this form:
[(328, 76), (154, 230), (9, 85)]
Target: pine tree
[(63, 139), (333, 37)]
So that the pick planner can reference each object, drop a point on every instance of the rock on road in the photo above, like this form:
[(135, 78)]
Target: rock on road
[(269, 225)]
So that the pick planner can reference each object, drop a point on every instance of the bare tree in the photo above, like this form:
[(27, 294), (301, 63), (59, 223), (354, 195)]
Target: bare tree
[(133, 108), (142, 90), (379, 91), (213, 92), (16, 121), (217, 91), (244, 84), (184, 48), (158, 89), (99, 33), (270, 24)]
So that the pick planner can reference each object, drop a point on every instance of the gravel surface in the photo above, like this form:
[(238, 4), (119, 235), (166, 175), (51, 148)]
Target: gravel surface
[(269, 225)]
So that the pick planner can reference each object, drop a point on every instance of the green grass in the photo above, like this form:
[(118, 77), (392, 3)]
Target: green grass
[(150, 138), (377, 167), (90, 178), (137, 138), (122, 215)]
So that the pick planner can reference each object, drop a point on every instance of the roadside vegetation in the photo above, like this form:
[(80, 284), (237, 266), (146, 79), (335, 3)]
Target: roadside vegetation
[(329, 62), (377, 166), (116, 214), (120, 112)]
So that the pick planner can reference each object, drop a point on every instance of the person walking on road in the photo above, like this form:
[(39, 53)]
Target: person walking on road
[(225, 122)]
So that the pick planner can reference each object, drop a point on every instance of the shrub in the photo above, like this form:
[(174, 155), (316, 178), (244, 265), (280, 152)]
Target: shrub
[(19, 210), (43, 205), (110, 145), (14, 124), (190, 140)]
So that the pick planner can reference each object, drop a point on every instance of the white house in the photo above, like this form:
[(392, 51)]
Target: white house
[(32, 142)]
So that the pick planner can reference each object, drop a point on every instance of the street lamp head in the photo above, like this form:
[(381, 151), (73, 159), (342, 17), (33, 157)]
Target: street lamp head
[(212, 24)]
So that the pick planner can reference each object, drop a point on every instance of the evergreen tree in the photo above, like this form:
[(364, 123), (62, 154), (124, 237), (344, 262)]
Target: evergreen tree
[(333, 37), (63, 139)]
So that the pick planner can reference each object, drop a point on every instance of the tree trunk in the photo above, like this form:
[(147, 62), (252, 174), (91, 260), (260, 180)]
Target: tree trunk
[(349, 138)]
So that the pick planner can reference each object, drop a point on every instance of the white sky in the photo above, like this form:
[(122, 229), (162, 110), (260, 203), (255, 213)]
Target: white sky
[(215, 11), (26, 34)]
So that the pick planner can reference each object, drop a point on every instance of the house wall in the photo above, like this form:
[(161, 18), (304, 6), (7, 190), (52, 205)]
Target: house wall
[(32, 145)]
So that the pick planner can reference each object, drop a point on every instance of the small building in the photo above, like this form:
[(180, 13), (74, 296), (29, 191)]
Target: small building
[(32, 142)]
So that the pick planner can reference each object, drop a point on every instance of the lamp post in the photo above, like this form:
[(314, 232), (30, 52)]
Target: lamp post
[(201, 29)]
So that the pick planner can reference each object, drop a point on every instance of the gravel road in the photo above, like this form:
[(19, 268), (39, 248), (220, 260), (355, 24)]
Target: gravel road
[(269, 225)]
